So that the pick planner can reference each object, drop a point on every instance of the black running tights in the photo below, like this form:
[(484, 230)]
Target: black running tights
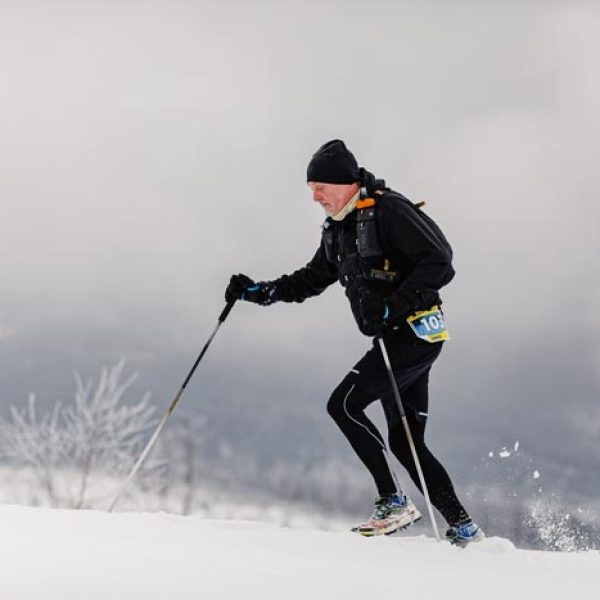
[(347, 405)]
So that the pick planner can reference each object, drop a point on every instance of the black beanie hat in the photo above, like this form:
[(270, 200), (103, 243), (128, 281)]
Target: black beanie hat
[(333, 163)]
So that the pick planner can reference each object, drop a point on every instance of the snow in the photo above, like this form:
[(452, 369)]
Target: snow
[(60, 554)]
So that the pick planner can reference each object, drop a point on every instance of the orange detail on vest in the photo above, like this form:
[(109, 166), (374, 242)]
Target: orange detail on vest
[(365, 203)]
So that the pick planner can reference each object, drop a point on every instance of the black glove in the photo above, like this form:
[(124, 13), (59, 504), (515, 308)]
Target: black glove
[(374, 312), (241, 287), (237, 286)]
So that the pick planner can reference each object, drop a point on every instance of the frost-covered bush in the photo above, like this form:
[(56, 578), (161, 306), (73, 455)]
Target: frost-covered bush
[(97, 433)]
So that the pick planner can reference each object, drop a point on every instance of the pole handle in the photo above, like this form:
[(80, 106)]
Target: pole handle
[(226, 311)]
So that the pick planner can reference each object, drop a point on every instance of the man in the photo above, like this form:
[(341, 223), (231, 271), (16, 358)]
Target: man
[(391, 259)]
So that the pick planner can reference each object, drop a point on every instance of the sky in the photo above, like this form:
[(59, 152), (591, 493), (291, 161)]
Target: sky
[(150, 150)]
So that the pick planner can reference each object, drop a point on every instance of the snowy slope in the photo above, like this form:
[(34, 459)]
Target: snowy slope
[(51, 554)]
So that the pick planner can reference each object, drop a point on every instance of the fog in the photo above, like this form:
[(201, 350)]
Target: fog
[(150, 150)]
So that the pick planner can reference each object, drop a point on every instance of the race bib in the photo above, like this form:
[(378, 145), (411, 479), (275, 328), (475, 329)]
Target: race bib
[(429, 325)]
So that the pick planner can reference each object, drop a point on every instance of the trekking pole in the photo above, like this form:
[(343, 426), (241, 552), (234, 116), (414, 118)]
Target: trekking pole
[(409, 437), (171, 408)]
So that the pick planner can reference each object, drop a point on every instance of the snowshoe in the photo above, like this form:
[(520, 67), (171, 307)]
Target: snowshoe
[(392, 513), (464, 534)]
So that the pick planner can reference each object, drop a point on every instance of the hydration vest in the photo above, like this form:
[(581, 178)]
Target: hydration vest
[(368, 248), (366, 229), (369, 260)]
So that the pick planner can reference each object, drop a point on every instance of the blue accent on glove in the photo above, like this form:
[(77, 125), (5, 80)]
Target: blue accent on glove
[(253, 288), (386, 313)]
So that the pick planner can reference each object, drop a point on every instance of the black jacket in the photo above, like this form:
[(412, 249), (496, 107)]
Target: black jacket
[(413, 244)]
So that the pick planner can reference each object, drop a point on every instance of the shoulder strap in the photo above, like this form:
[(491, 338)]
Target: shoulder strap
[(365, 203), (367, 236)]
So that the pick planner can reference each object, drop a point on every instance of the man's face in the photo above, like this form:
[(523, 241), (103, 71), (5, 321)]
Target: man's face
[(332, 196)]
